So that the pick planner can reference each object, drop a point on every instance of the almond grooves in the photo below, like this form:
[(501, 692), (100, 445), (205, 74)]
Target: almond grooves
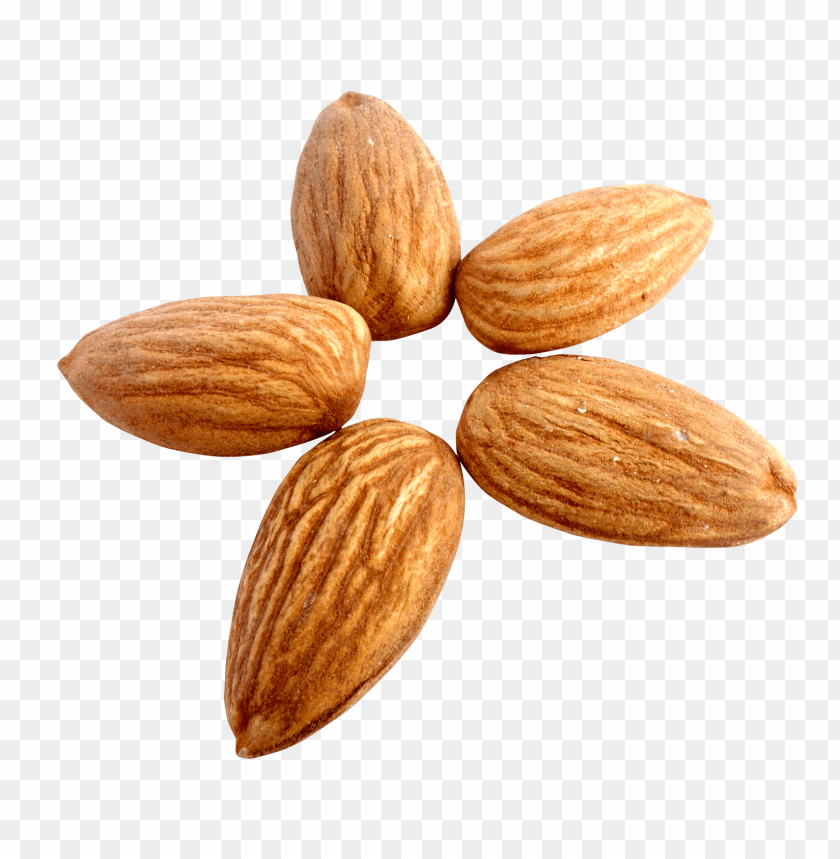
[(346, 567), (372, 218), (606, 450), (232, 376), (576, 267)]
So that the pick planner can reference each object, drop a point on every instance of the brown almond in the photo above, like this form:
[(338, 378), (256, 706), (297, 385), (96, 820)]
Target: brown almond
[(606, 450), (346, 567), (576, 267), (232, 376), (372, 218)]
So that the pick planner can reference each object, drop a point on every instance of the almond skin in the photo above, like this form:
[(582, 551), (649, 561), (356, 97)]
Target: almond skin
[(346, 567), (606, 450), (372, 218), (232, 376), (576, 267)]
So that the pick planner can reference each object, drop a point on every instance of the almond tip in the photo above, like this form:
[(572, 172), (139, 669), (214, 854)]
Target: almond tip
[(244, 751), (351, 99)]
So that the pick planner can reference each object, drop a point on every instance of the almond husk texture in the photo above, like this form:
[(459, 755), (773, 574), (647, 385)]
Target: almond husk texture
[(346, 567), (372, 218), (605, 450), (578, 266), (232, 376)]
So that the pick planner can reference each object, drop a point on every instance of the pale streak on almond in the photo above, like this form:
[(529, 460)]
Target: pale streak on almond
[(345, 569)]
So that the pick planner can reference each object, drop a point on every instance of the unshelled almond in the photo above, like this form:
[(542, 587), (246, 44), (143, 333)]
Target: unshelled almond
[(576, 267), (232, 376), (606, 450), (346, 567), (372, 218)]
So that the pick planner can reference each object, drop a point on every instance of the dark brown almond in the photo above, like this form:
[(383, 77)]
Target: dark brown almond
[(606, 450), (232, 376), (576, 267), (346, 567)]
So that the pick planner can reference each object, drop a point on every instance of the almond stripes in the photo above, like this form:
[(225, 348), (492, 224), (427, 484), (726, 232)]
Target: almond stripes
[(608, 451), (233, 376), (372, 218), (576, 267), (345, 569)]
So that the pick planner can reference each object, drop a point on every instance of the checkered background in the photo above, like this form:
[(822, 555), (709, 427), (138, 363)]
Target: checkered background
[(567, 697)]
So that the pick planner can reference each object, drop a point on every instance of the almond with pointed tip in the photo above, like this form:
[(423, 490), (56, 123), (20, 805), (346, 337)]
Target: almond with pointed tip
[(372, 218), (606, 450), (346, 567), (576, 267), (232, 376)]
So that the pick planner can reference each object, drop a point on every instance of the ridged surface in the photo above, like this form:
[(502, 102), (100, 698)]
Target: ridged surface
[(232, 376), (576, 267), (605, 450), (346, 567), (372, 218)]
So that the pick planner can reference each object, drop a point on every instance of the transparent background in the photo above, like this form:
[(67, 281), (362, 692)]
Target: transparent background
[(567, 697)]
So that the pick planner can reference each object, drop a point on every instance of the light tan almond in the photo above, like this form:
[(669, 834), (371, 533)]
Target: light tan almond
[(576, 267), (372, 218), (346, 567), (232, 376), (606, 450)]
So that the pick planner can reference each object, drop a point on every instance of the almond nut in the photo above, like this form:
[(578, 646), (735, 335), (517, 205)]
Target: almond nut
[(232, 376), (576, 267), (372, 218), (346, 567), (606, 450)]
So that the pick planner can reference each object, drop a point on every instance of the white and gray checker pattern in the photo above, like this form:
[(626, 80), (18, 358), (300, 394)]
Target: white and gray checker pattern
[(567, 698)]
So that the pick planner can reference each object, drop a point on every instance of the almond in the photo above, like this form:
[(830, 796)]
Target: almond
[(346, 567), (372, 218), (576, 267), (605, 450), (232, 376)]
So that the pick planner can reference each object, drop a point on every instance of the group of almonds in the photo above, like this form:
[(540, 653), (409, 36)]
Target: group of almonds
[(357, 542)]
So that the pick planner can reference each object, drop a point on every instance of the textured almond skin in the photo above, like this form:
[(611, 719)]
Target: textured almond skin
[(606, 450), (372, 218), (232, 376), (576, 267), (346, 567)]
